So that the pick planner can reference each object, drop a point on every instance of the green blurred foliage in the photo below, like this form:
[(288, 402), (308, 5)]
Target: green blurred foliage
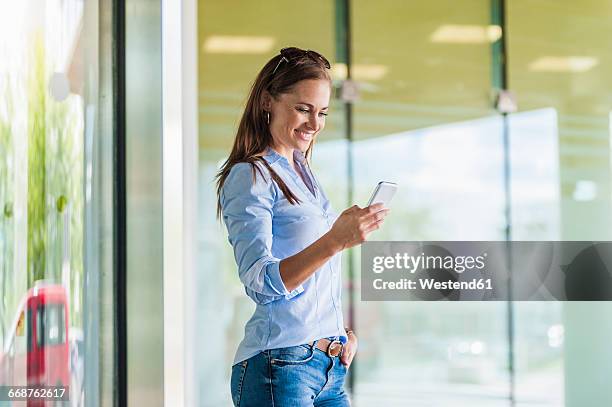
[(6, 202), (54, 187), (37, 99)]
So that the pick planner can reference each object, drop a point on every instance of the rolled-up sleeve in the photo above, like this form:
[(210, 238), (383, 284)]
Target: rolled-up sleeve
[(247, 207)]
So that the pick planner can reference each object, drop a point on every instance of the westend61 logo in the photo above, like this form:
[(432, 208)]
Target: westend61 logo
[(428, 272), (412, 264), (486, 271)]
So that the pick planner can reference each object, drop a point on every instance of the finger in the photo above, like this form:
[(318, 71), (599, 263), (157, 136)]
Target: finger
[(349, 361), (373, 210), (368, 210), (381, 214), (346, 358), (375, 217), (376, 207), (373, 226)]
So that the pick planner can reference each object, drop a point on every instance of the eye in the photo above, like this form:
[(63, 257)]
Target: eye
[(306, 111)]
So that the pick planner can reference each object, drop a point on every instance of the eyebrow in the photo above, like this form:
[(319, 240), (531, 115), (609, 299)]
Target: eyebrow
[(312, 106)]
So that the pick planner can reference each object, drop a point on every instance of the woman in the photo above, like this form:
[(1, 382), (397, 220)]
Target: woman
[(287, 241)]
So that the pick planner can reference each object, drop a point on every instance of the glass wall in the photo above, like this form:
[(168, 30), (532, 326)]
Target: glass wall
[(56, 314), (427, 74), (559, 59), (426, 122)]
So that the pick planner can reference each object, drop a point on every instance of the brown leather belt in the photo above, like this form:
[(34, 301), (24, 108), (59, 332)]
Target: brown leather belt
[(331, 348)]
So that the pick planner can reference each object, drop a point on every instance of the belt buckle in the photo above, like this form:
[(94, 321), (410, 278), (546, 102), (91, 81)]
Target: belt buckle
[(329, 348)]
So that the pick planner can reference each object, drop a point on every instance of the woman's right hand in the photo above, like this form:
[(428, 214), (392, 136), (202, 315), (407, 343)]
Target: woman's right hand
[(355, 224)]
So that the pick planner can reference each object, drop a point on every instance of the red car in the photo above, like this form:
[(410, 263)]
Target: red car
[(36, 350)]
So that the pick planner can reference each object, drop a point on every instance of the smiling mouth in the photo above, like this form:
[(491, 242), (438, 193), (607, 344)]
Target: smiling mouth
[(304, 136)]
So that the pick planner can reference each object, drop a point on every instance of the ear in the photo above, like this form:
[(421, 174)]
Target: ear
[(266, 101)]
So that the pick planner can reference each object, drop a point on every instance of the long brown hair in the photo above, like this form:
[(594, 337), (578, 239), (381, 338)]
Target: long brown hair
[(279, 75)]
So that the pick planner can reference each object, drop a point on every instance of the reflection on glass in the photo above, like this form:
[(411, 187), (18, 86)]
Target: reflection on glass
[(539, 333), (450, 188), (535, 192), (427, 125), (443, 172), (51, 328), (41, 193), (561, 185)]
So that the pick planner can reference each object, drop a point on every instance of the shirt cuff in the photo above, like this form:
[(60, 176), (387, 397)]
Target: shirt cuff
[(273, 278)]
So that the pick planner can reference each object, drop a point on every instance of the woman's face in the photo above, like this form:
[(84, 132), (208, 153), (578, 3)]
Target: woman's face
[(298, 116)]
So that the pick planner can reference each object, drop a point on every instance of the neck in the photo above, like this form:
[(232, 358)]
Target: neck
[(285, 152)]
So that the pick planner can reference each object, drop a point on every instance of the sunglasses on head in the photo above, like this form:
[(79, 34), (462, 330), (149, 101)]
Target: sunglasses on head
[(295, 55)]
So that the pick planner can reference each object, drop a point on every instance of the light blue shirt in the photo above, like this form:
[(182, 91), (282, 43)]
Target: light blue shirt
[(264, 228)]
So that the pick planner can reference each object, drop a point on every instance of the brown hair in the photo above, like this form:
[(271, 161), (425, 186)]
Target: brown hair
[(278, 76)]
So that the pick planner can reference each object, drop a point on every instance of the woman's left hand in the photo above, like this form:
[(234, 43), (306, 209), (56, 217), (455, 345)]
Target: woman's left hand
[(350, 348)]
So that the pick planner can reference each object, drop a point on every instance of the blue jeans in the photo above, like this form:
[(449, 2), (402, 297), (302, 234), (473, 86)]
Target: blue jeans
[(296, 376)]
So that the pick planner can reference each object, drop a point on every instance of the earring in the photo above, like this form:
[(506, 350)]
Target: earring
[(268, 117)]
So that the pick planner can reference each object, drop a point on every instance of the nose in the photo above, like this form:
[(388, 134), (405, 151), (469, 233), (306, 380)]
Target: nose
[(313, 122)]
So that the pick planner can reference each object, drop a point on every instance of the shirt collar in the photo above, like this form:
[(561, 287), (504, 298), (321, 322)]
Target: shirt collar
[(299, 157), (272, 156)]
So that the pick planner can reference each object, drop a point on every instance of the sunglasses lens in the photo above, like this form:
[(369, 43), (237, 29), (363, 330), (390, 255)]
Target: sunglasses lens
[(291, 52), (295, 55)]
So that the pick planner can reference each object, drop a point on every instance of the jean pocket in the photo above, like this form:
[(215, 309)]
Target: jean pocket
[(293, 355), (238, 372)]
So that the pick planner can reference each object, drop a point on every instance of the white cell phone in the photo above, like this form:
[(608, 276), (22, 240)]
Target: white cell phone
[(383, 193)]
